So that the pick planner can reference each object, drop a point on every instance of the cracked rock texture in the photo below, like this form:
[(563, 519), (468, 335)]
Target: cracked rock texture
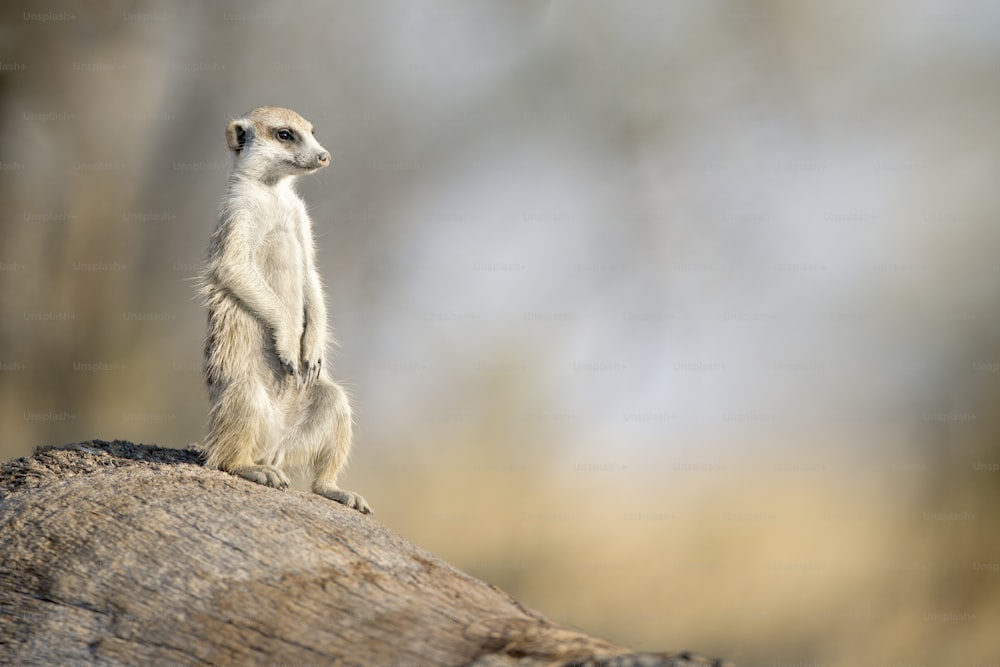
[(116, 553)]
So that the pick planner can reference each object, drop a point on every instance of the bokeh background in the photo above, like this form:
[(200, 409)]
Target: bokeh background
[(676, 320)]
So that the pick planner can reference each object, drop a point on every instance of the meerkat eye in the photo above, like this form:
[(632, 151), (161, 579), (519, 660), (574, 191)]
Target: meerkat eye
[(285, 135)]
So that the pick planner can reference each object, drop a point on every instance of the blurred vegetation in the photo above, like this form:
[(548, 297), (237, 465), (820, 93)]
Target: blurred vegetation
[(675, 320)]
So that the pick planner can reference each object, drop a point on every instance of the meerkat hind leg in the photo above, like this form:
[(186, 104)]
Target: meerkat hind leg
[(325, 431), (241, 425)]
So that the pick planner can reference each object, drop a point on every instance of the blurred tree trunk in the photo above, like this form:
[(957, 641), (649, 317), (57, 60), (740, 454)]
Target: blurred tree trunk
[(127, 554)]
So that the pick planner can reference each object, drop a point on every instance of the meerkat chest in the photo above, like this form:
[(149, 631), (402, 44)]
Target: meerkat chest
[(283, 247)]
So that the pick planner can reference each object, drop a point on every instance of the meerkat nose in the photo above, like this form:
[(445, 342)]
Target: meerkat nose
[(323, 157)]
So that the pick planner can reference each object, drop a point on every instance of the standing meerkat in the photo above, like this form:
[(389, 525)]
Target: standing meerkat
[(274, 410)]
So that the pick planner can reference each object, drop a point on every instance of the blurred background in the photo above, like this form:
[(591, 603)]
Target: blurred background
[(676, 320)]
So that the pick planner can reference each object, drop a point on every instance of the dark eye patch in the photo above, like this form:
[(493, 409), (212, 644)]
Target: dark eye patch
[(284, 134)]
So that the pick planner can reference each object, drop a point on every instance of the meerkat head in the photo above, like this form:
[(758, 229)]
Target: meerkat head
[(272, 142)]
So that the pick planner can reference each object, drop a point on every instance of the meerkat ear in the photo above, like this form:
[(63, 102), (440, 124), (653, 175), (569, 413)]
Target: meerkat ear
[(237, 133)]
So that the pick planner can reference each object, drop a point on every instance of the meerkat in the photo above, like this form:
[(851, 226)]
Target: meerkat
[(274, 411)]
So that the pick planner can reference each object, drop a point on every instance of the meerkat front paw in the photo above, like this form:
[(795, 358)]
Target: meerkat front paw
[(310, 371), (289, 367), (312, 357), (287, 358), (266, 475), (353, 500)]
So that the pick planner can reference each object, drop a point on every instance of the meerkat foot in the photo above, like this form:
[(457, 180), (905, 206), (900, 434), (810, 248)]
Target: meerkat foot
[(266, 475), (349, 498)]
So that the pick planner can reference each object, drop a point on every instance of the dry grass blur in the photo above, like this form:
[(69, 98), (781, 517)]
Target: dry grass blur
[(675, 320)]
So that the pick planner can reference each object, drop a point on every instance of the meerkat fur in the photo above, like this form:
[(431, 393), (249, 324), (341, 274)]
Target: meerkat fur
[(274, 411)]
